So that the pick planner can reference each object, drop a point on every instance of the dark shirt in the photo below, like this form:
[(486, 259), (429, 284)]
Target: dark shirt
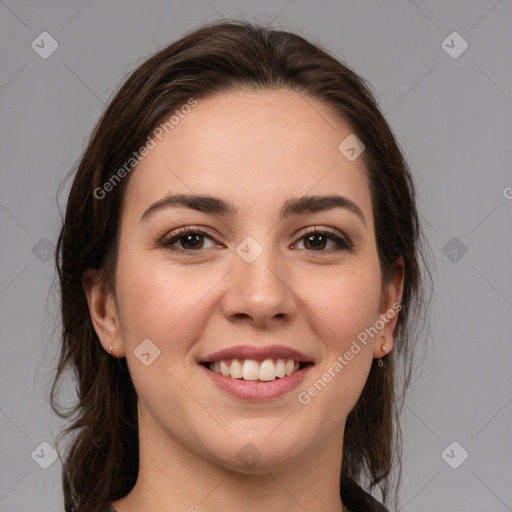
[(354, 497)]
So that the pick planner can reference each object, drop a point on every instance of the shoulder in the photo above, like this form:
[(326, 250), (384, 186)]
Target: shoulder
[(356, 499)]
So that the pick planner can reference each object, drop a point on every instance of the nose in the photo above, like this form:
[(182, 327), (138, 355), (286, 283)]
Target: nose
[(259, 293)]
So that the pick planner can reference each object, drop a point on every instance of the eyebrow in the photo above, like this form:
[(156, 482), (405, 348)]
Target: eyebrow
[(217, 206)]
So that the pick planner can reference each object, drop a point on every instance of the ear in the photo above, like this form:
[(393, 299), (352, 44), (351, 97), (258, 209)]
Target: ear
[(102, 308), (389, 310)]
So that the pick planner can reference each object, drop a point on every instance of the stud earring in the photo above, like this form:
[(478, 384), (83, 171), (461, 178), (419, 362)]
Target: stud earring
[(380, 362)]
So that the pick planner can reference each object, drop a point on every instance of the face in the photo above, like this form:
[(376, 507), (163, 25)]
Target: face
[(255, 267)]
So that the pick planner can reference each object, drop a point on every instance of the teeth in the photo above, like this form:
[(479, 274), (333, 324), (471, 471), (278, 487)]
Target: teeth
[(249, 369), (280, 368), (224, 369), (235, 370), (267, 370)]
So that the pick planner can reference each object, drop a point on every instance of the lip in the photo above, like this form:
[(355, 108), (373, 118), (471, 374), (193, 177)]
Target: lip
[(257, 390), (257, 354)]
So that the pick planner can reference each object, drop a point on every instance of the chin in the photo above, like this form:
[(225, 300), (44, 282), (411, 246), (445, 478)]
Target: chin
[(259, 454)]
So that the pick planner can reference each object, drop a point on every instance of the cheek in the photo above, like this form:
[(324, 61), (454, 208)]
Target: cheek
[(166, 305), (347, 302), (345, 306), (159, 302)]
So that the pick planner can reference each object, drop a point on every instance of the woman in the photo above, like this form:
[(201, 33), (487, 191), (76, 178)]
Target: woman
[(239, 267)]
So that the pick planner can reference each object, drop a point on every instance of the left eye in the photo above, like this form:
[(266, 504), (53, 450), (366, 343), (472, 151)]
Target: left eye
[(318, 241)]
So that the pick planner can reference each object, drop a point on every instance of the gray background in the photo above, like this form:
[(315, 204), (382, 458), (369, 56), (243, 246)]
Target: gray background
[(453, 118)]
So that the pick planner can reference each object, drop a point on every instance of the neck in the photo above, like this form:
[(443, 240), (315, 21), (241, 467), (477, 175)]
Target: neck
[(176, 477)]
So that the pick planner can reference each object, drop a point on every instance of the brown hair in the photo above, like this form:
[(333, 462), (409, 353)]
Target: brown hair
[(101, 464)]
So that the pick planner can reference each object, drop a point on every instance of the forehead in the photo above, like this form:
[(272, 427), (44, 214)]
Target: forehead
[(252, 148)]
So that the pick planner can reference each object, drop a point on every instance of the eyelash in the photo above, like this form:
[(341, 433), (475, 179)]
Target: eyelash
[(167, 241)]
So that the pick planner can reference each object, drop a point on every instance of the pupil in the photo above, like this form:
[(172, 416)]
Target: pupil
[(192, 240), (316, 244)]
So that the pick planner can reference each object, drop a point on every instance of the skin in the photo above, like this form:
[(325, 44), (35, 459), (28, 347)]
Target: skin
[(256, 150)]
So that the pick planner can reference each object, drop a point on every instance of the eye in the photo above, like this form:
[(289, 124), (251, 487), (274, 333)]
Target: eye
[(191, 240), (318, 240)]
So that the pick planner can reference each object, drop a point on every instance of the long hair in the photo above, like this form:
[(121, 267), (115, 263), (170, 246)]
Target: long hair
[(101, 463)]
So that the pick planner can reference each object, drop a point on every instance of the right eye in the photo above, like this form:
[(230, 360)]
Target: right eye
[(191, 240)]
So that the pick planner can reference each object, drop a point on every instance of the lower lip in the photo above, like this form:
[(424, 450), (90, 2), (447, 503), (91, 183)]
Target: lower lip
[(257, 390)]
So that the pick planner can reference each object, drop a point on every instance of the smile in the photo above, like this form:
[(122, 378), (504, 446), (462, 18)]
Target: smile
[(252, 370), (248, 380)]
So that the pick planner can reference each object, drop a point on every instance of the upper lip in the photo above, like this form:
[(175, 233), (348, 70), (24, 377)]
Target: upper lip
[(256, 353)]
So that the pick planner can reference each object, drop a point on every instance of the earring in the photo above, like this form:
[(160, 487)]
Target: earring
[(380, 362), (110, 351)]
